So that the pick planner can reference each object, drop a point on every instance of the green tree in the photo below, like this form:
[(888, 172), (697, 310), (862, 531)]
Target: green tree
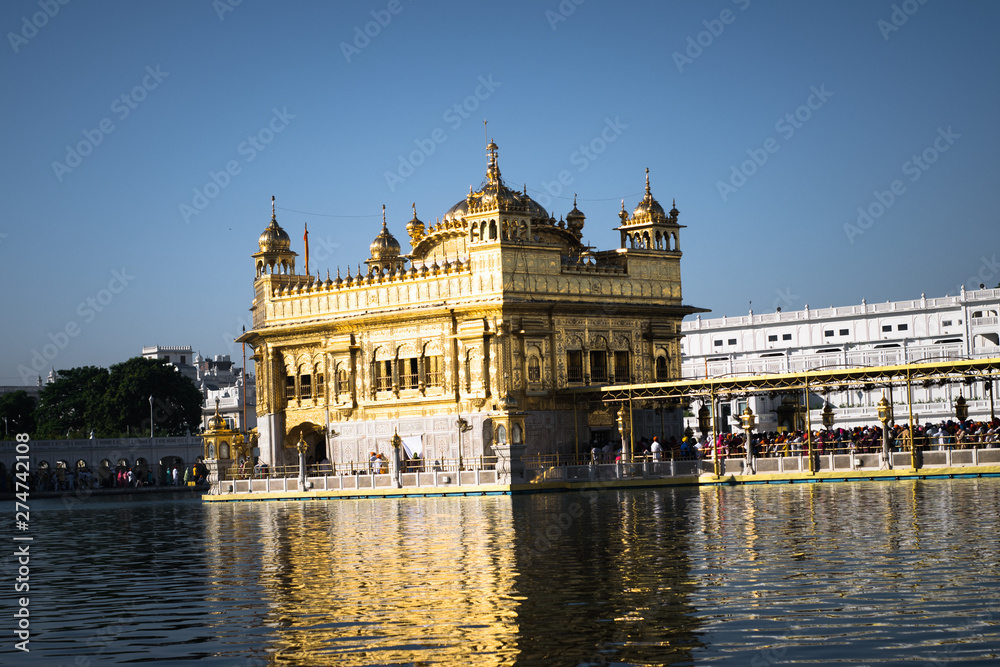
[(115, 402), (69, 407), (17, 412), (176, 400)]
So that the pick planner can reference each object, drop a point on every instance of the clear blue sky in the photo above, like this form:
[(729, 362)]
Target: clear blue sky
[(334, 113)]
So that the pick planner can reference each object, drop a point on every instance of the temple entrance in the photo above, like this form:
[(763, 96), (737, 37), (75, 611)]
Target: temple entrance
[(315, 440)]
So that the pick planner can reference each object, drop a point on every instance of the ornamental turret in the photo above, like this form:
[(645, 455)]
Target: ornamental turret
[(275, 254), (650, 227), (415, 228), (385, 252)]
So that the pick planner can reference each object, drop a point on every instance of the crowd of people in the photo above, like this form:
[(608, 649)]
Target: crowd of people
[(121, 477), (859, 440)]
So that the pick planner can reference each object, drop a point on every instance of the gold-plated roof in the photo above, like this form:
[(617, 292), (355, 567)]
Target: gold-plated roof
[(216, 421), (385, 245), (575, 218), (415, 227), (648, 210), (274, 238), (494, 195)]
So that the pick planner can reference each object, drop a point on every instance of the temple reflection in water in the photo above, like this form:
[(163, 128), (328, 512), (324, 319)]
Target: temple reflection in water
[(485, 581)]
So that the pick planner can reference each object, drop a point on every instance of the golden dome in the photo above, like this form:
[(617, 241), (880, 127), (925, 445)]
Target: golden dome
[(216, 421), (274, 238), (649, 207), (494, 194), (575, 218), (415, 228), (385, 245)]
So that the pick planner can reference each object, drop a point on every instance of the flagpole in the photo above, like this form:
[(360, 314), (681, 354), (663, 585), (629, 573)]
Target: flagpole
[(305, 239)]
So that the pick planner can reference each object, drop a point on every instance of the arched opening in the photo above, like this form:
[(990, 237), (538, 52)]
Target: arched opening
[(170, 470), (661, 368), (315, 439), (534, 369), (493, 230)]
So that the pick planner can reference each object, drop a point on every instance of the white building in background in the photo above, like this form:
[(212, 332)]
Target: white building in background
[(180, 357), (878, 334), (218, 378)]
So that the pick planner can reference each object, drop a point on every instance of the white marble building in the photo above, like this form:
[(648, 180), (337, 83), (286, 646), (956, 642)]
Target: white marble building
[(868, 334), (218, 378)]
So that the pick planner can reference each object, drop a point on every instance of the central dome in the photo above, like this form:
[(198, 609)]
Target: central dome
[(649, 207), (385, 245), (493, 194)]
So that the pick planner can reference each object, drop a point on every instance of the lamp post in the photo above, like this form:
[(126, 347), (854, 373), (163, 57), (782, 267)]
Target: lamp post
[(150, 416), (301, 447), (747, 418), (885, 416), (828, 416), (463, 426), (704, 420), (961, 408), (704, 424)]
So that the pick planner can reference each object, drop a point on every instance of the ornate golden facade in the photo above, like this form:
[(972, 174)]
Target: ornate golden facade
[(495, 311)]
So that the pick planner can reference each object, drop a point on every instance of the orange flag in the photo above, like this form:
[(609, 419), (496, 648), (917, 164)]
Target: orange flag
[(305, 238)]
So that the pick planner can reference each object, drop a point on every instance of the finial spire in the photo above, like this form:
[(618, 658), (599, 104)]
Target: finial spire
[(383, 217), (414, 209), (647, 182), (273, 217), (574, 200)]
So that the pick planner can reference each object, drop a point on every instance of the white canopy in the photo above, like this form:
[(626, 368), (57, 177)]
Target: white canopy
[(413, 444)]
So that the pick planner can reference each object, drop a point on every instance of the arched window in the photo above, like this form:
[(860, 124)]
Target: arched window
[(515, 434), (661, 368), (534, 369), (305, 382), (223, 450), (493, 230), (501, 435)]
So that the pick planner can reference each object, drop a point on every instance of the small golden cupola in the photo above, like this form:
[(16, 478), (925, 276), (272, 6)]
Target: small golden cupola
[(385, 251), (650, 227), (275, 254), (415, 228), (218, 437), (575, 220)]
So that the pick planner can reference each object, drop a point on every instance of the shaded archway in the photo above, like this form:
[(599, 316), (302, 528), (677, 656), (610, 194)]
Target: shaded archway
[(315, 439)]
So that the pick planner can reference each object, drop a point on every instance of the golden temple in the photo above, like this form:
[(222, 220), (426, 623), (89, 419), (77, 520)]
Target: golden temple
[(472, 339)]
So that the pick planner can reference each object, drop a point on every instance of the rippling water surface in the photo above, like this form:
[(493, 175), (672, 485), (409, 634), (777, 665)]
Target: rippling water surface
[(867, 572)]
